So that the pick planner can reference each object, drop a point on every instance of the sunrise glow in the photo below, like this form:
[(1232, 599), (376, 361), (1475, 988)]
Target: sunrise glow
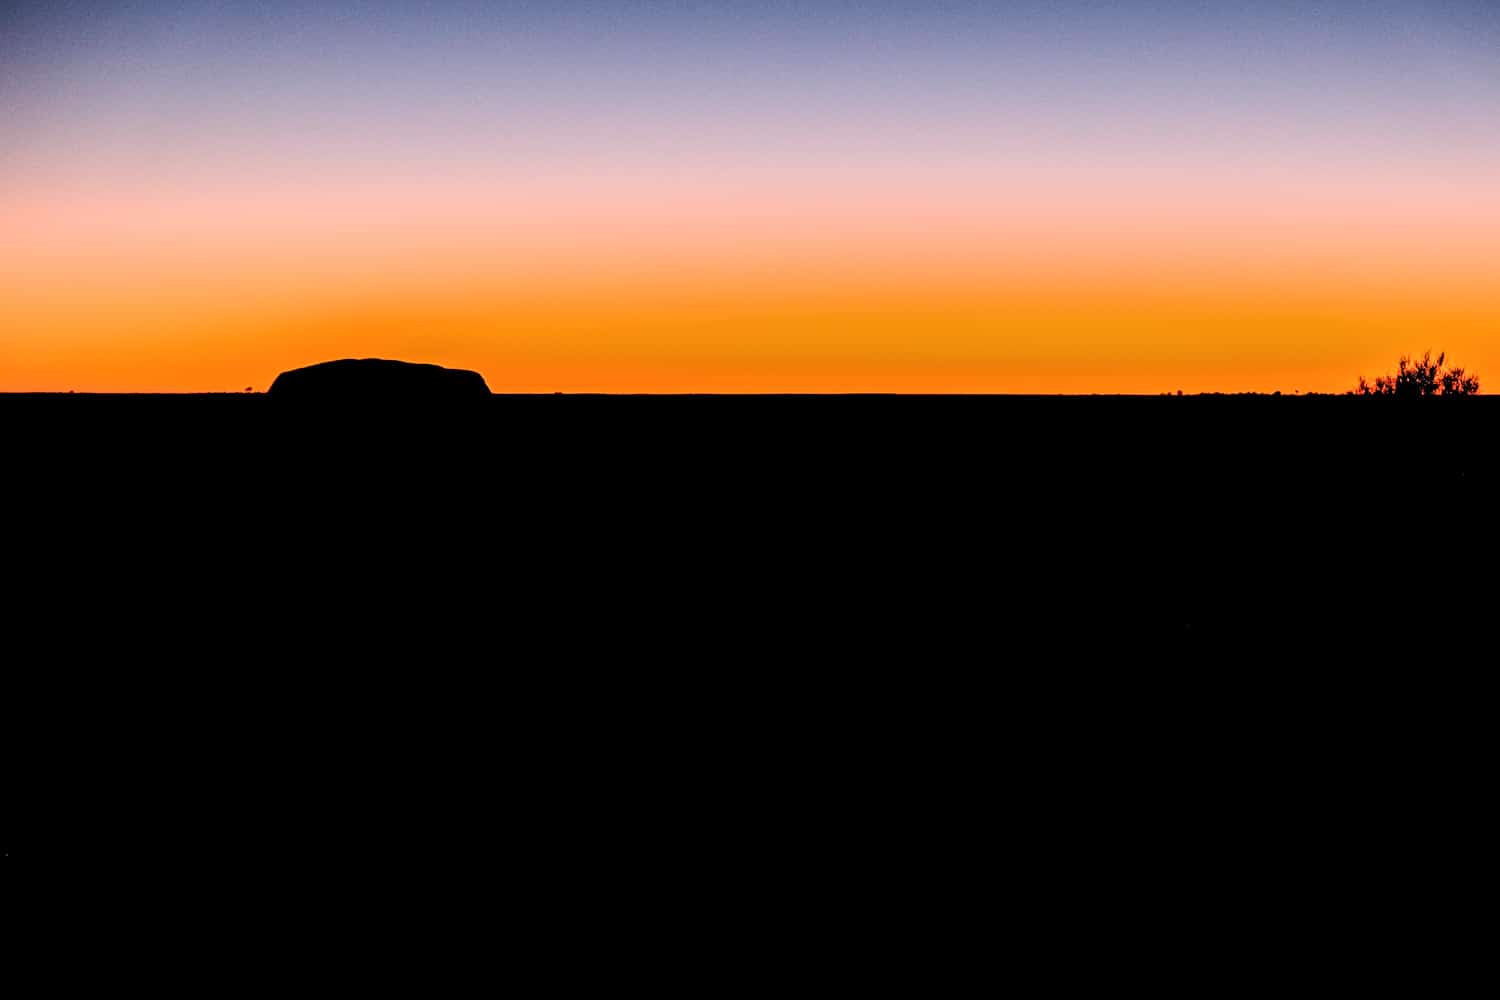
[(1134, 197)]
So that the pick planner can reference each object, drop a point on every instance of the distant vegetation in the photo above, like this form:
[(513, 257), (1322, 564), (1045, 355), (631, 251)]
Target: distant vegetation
[(1424, 377)]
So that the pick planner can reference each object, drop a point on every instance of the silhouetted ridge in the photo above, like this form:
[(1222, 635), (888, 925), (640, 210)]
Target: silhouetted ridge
[(379, 380)]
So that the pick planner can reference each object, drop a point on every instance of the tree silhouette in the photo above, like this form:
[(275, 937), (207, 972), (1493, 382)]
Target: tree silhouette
[(1422, 377)]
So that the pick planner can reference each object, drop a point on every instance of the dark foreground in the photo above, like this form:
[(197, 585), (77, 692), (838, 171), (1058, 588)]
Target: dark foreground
[(575, 619), (921, 526)]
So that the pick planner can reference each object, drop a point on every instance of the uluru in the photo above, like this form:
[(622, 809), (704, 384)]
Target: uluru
[(377, 380)]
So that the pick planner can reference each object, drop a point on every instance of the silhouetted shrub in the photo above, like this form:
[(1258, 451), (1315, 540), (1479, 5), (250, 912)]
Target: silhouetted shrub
[(1423, 377)]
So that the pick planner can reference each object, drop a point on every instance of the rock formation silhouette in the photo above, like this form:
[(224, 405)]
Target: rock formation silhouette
[(376, 380)]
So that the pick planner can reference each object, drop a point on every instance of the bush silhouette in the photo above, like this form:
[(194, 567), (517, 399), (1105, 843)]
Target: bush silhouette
[(1422, 377)]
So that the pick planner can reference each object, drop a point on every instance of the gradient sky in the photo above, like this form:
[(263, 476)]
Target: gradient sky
[(937, 195)]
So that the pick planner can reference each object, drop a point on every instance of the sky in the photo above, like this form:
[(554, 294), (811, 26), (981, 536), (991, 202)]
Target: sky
[(773, 196)]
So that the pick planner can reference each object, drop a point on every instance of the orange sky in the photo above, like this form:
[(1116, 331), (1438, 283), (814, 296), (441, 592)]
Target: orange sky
[(909, 278), (1138, 196)]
